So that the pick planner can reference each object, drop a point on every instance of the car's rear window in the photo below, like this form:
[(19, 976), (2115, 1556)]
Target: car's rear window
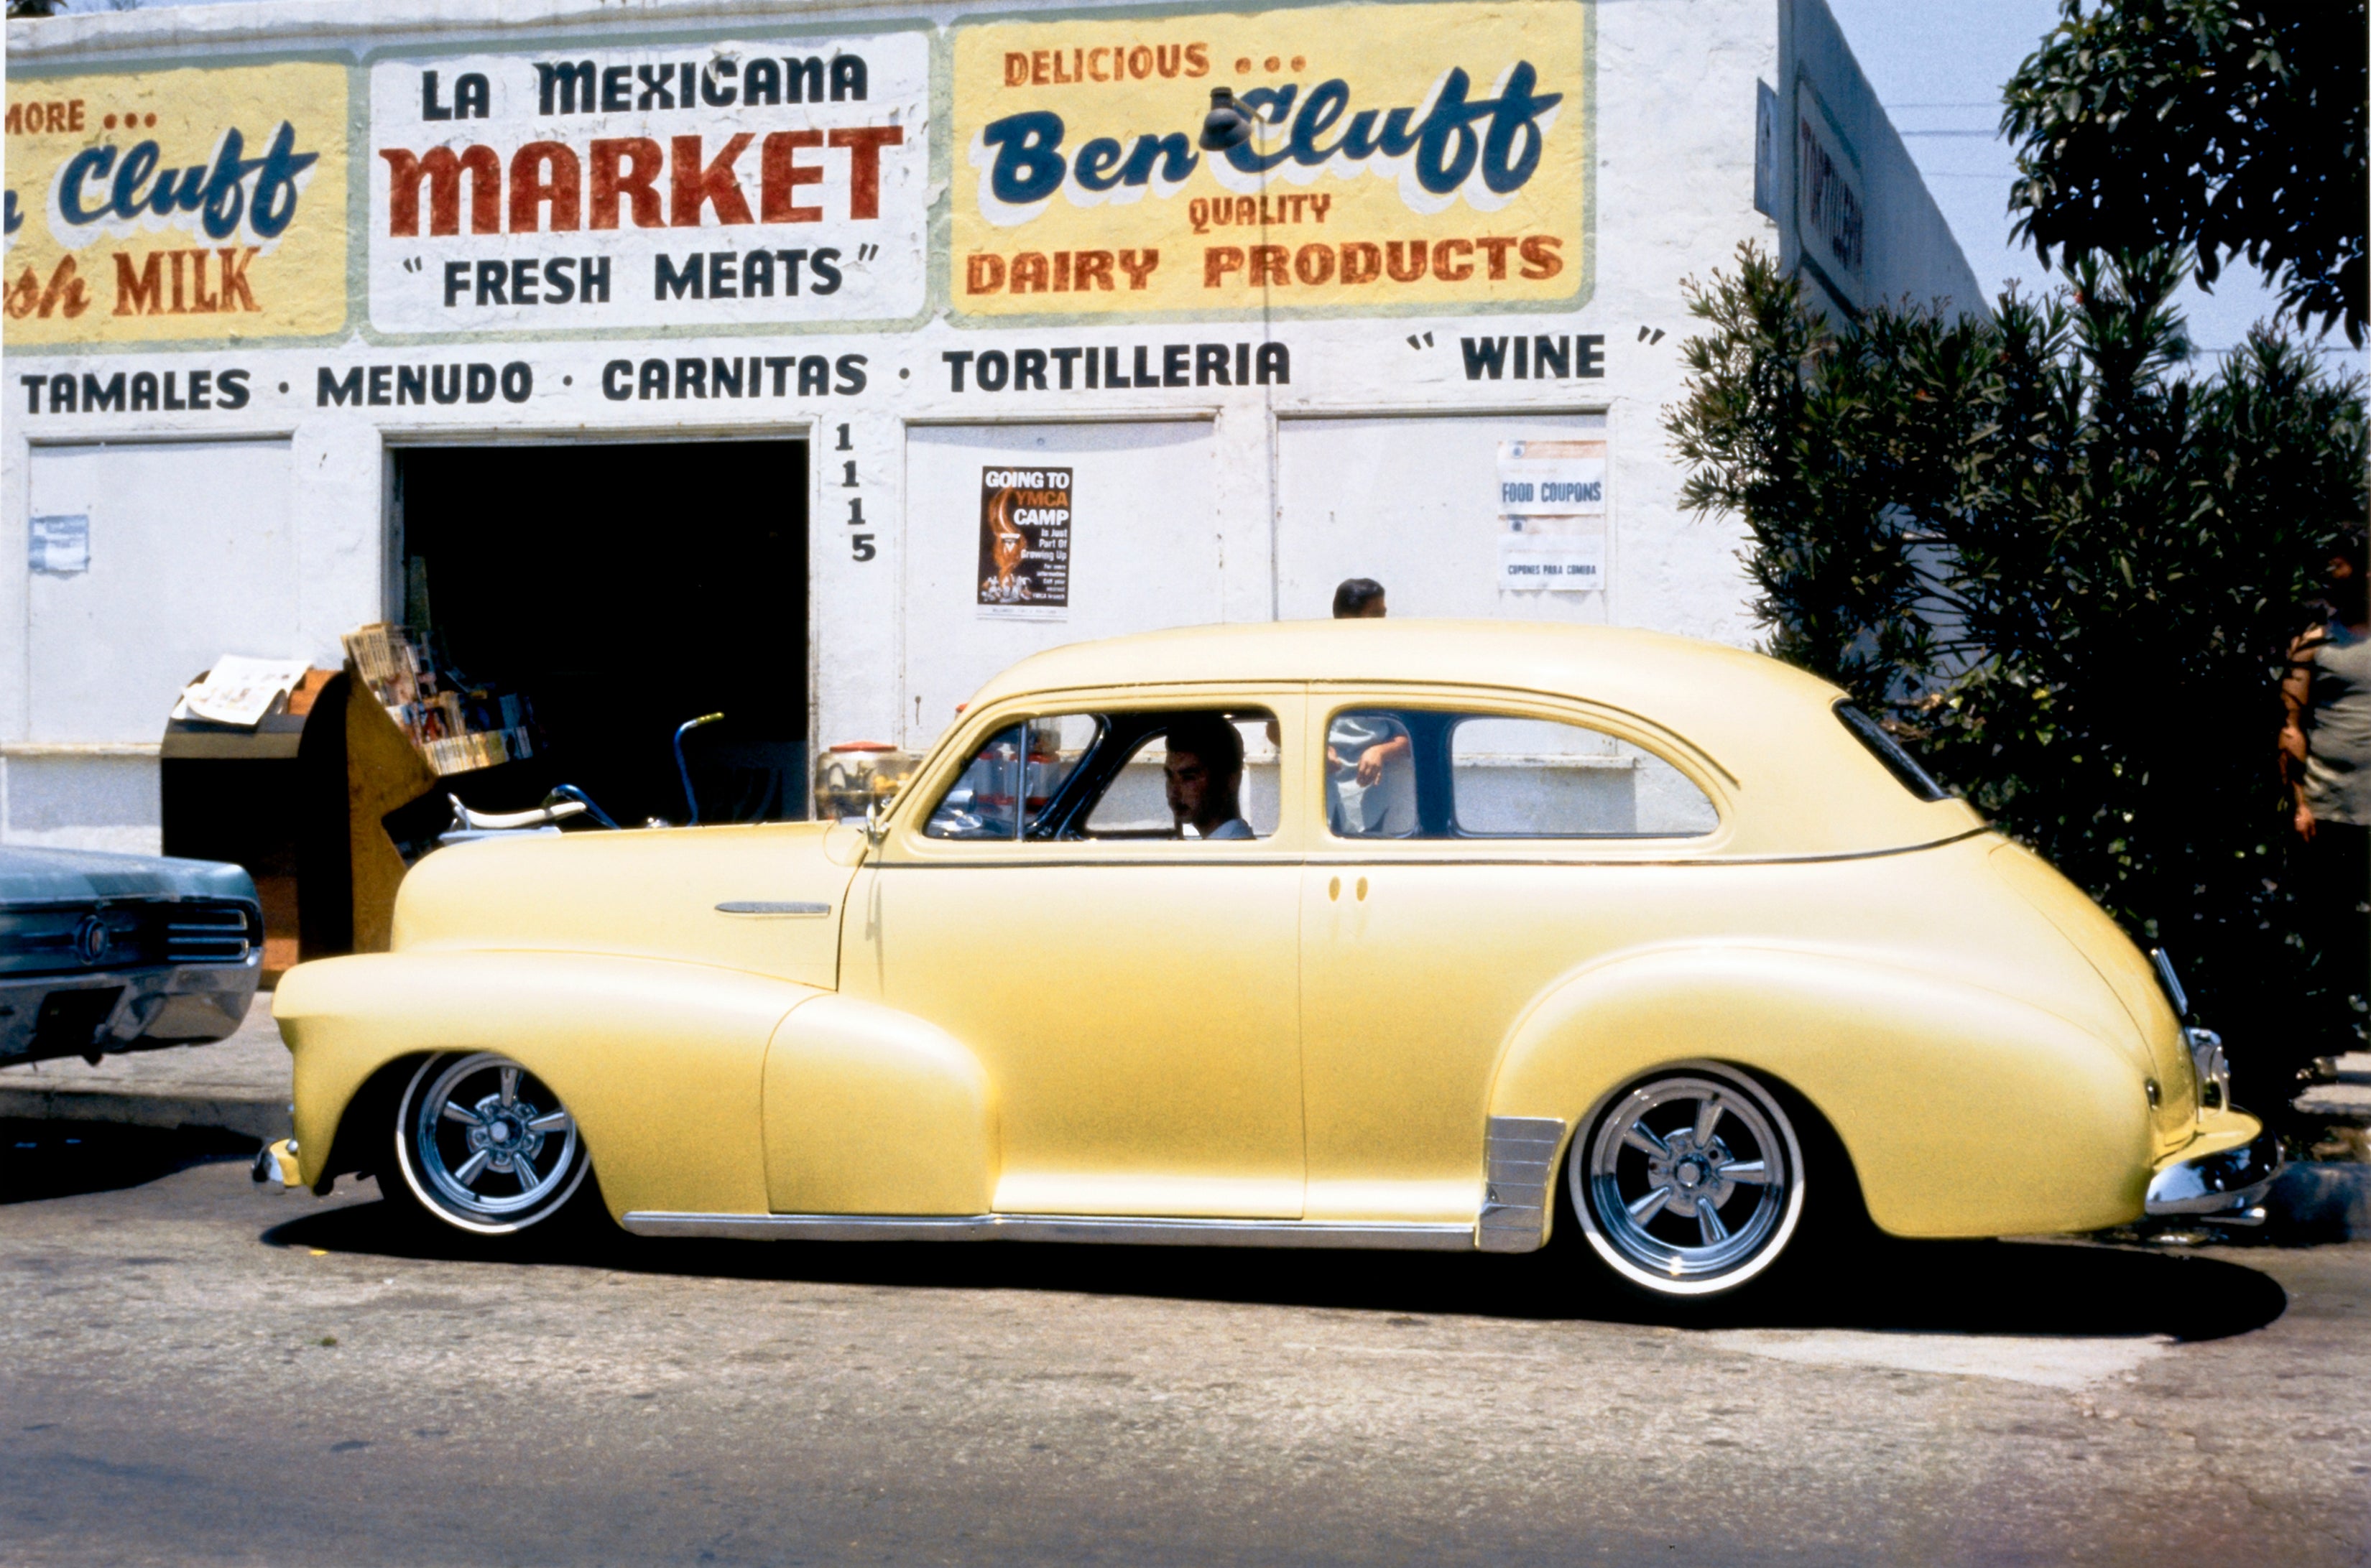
[(1888, 751)]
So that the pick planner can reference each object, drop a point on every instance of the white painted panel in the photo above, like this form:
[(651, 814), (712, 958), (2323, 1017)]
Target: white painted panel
[(193, 555), (1144, 547), (1412, 503)]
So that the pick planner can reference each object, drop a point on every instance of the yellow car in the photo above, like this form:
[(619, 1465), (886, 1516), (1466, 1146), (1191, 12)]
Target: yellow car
[(1344, 934)]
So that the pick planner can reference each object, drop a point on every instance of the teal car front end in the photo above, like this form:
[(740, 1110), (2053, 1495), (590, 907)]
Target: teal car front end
[(102, 952)]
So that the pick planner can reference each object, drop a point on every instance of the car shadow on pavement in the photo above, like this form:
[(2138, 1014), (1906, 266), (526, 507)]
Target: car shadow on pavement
[(2038, 1287), (58, 1159)]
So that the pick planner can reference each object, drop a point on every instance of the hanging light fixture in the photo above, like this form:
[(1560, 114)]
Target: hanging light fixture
[(1228, 125)]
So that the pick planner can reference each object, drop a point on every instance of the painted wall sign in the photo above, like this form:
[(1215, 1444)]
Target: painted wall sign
[(1830, 211), (148, 206), (1561, 564), (1551, 478), (1403, 156), (755, 182), (1024, 543), (1552, 495)]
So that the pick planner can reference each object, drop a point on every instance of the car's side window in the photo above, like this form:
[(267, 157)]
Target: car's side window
[(1419, 773), (1174, 779), (1185, 773), (1539, 778), (1015, 775)]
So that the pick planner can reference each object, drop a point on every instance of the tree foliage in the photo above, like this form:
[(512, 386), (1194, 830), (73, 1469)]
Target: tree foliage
[(2234, 127), (2065, 570)]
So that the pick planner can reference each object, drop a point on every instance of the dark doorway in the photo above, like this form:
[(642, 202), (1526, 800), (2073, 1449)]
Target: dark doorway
[(623, 589)]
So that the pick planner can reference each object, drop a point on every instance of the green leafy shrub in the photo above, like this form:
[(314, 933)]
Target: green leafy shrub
[(2066, 570)]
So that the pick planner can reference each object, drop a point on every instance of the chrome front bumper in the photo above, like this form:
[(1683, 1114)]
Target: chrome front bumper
[(2225, 1185), (166, 1004)]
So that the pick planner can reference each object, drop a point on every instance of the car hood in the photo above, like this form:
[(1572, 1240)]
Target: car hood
[(64, 876), (764, 899)]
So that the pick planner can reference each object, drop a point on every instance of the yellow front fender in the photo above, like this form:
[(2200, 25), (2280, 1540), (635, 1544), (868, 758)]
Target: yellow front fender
[(661, 1064)]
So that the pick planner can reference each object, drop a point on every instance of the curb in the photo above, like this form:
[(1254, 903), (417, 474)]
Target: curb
[(261, 1120), (2322, 1200)]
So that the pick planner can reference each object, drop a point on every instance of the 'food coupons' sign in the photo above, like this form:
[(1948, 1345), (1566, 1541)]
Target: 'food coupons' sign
[(1552, 497), (154, 205), (1422, 156), (691, 185), (1024, 543)]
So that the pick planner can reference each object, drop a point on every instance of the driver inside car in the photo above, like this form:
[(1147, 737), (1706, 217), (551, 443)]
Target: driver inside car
[(1204, 775)]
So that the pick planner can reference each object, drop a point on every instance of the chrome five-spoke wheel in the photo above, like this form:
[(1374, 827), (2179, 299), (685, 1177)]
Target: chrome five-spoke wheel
[(1690, 1182), (485, 1145)]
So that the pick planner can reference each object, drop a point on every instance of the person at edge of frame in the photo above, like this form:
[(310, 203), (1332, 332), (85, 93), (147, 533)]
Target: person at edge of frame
[(2325, 757)]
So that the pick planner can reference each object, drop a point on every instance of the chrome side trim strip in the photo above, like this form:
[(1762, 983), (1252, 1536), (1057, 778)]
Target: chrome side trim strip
[(1095, 1228), (761, 906), (1342, 852), (1520, 1184)]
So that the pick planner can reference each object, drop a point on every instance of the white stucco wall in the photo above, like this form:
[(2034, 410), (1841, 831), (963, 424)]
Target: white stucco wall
[(1672, 176)]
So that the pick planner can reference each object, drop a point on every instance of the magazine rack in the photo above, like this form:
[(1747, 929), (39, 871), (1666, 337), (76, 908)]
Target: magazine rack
[(300, 802)]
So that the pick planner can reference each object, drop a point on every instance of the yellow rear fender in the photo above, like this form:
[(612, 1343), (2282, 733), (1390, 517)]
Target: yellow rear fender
[(661, 1064), (1964, 1112)]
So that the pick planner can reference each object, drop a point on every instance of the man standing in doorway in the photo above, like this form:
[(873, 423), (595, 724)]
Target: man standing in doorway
[(1359, 598), (1360, 746), (2326, 757)]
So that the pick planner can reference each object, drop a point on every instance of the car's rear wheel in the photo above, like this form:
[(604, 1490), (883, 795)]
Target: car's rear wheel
[(485, 1146), (1690, 1181)]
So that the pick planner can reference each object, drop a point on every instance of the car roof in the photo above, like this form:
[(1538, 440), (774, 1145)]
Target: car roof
[(1800, 781)]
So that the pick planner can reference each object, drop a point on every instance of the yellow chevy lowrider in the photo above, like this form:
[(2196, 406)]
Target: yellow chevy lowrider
[(1362, 933)]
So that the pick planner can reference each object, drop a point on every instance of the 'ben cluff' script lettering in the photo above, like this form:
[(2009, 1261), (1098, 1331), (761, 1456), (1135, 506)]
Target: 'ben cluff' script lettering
[(126, 192)]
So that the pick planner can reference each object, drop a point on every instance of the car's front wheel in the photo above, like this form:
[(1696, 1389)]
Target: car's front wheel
[(1689, 1181), (485, 1146)]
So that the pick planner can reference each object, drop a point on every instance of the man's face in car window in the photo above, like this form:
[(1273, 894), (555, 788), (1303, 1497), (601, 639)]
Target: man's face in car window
[(1189, 784)]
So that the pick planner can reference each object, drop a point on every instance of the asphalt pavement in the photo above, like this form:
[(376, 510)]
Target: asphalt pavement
[(197, 1370)]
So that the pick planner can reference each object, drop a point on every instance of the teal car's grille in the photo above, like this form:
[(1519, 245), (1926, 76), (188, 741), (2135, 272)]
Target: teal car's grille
[(209, 933), (113, 934)]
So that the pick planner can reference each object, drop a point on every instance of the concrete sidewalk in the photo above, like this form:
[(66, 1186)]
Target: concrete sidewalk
[(240, 1085)]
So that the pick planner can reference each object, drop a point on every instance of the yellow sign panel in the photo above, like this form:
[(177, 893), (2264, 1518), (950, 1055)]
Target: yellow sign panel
[(1408, 155), (176, 204)]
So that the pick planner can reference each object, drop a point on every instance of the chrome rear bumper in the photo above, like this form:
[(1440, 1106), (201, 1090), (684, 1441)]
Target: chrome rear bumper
[(2225, 1185)]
